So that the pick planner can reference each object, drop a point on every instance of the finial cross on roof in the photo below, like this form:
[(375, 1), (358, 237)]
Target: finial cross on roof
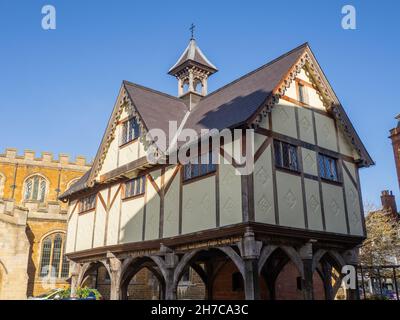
[(192, 30)]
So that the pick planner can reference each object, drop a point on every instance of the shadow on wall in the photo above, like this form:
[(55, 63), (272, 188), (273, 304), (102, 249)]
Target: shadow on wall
[(31, 271)]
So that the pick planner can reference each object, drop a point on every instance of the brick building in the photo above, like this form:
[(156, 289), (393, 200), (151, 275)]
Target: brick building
[(395, 137), (33, 221)]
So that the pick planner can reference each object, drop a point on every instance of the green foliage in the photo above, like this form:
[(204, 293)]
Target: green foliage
[(81, 293)]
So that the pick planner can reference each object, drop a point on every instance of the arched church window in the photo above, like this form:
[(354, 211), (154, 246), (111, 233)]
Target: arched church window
[(35, 188), (53, 263)]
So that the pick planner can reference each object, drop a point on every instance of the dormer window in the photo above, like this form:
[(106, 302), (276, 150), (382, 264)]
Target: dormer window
[(303, 94), (130, 130)]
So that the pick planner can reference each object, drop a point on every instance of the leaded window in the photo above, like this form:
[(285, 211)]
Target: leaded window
[(88, 203), (130, 130), (53, 263), (35, 188), (286, 155), (327, 167), (135, 187), (201, 166)]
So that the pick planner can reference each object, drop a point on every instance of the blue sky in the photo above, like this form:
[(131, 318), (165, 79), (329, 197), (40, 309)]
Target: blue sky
[(58, 87)]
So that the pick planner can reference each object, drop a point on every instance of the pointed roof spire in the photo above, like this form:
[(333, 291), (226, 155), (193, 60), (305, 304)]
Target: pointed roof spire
[(192, 56)]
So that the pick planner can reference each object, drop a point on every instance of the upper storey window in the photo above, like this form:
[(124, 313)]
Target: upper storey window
[(286, 156), (87, 203), (135, 187), (35, 188), (130, 130), (205, 164), (303, 94), (327, 167)]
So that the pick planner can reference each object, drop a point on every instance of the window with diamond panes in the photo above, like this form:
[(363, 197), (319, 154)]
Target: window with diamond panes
[(327, 167), (286, 155)]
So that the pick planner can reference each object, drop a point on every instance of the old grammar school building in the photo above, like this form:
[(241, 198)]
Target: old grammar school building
[(283, 231)]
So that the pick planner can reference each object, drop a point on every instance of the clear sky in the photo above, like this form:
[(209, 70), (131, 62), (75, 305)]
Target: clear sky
[(58, 87)]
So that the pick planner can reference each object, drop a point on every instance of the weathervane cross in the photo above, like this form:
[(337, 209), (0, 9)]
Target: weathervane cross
[(192, 30)]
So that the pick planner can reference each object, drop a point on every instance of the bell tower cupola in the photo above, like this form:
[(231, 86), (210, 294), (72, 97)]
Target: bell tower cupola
[(192, 71)]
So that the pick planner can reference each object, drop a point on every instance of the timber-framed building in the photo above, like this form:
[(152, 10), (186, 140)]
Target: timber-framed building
[(283, 231)]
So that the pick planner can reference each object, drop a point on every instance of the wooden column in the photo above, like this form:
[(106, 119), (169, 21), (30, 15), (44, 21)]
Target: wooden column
[(250, 252), (306, 255), (75, 270), (251, 279), (115, 269)]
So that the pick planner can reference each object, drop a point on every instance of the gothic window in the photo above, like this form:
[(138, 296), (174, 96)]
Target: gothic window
[(205, 164), (53, 263), (286, 156), (87, 203), (35, 188), (130, 130), (135, 187), (327, 167)]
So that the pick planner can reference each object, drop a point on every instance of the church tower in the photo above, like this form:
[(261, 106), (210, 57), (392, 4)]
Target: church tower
[(192, 71), (395, 137)]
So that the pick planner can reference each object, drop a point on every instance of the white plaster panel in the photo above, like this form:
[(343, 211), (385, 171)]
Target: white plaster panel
[(315, 99), (291, 91), (71, 230), (132, 220), (258, 141), (152, 213), (353, 206), (310, 164), (85, 229), (326, 134), (99, 227), (113, 217), (128, 153), (290, 199), (110, 161), (230, 196), (283, 118), (306, 126), (345, 147), (142, 152), (335, 216), (265, 122), (303, 75), (171, 209), (198, 205), (352, 168), (156, 175), (264, 205), (313, 201)]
